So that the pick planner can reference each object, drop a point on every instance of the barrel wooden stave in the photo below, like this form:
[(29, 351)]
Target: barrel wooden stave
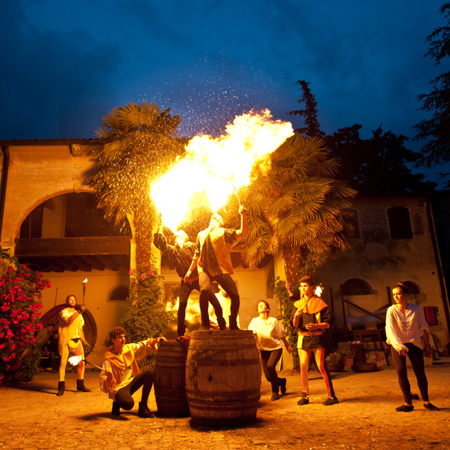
[(223, 377), (170, 379)]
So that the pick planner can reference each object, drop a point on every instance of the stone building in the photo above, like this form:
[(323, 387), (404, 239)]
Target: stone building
[(48, 219)]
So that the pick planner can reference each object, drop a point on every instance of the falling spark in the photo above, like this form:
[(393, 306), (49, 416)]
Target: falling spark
[(217, 167)]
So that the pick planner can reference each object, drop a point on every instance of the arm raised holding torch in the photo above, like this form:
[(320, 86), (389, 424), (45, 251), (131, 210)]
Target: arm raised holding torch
[(213, 261), (180, 256), (71, 340)]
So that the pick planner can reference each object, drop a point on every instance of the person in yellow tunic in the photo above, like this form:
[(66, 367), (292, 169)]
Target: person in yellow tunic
[(120, 377), (71, 340)]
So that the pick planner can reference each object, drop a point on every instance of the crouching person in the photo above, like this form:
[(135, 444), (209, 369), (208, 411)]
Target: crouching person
[(120, 377)]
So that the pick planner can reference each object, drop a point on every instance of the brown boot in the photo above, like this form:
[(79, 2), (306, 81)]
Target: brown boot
[(81, 387), (61, 388), (143, 411)]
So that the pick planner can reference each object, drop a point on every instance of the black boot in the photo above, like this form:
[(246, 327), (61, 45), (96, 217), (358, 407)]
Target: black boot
[(61, 388), (81, 386), (143, 411), (115, 409), (222, 323), (282, 382), (275, 395), (233, 323)]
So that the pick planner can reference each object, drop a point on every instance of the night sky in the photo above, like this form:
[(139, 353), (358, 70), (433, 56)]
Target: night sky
[(66, 63)]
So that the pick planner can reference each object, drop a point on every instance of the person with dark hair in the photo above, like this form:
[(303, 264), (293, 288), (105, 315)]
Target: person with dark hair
[(213, 259), (270, 336), (50, 349), (42, 340), (71, 340), (311, 316), (180, 256), (120, 377), (406, 332)]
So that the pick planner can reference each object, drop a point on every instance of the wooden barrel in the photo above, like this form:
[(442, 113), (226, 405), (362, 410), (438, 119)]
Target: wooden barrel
[(170, 369), (223, 377)]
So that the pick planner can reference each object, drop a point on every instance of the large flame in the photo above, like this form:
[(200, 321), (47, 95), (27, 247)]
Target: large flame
[(217, 167)]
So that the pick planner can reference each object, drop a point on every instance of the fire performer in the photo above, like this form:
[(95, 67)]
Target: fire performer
[(213, 259), (71, 340), (180, 255), (120, 377), (406, 331), (311, 316)]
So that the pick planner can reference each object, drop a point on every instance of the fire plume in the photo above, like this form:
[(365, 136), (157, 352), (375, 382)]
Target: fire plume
[(215, 167)]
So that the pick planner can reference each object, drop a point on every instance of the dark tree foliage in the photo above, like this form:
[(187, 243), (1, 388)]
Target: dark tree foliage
[(378, 164), (136, 144), (309, 113), (436, 130), (297, 207)]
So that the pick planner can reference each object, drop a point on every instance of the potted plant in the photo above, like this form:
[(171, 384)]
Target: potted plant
[(348, 358), (334, 362)]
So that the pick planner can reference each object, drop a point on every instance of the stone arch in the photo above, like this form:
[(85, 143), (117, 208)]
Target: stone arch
[(32, 206)]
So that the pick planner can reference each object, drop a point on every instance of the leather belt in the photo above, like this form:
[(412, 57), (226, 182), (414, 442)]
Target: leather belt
[(310, 333)]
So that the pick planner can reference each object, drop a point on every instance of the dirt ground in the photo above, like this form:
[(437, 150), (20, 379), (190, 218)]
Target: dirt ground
[(33, 417)]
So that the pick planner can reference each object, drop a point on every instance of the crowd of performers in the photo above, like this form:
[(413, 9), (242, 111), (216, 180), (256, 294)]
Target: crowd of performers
[(209, 260)]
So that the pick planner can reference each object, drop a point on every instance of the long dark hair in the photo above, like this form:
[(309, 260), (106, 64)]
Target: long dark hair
[(71, 295)]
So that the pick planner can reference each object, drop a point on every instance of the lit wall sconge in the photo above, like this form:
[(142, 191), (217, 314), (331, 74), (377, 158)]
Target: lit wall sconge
[(75, 149)]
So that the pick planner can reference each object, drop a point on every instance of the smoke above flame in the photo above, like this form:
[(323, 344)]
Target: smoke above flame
[(215, 167)]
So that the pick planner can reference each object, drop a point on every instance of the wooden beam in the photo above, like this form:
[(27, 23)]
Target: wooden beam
[(51, 265), (67, 263), (113, 262), (105, 245), (82, 264), (96, 263)]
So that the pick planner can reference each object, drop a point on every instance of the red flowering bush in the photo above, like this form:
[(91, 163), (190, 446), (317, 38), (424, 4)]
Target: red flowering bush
[(20, 309)]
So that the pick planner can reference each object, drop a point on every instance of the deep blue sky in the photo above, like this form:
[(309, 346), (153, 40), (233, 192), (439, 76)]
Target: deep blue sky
[(66, 63)]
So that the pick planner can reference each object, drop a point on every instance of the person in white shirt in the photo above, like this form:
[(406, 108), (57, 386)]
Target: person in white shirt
[(270, 337), (406, 332)]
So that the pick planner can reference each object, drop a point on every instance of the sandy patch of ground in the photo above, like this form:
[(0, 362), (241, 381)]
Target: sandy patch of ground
[(33, 417)]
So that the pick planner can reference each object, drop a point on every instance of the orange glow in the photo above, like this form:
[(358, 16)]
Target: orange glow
[(216, 167)]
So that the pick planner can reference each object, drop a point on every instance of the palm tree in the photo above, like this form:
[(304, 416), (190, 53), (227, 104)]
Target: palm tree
[(297, 208), (136, 144)]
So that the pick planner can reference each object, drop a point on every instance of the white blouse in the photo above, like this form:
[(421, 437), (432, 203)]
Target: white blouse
[(405, 328), (269, 333)]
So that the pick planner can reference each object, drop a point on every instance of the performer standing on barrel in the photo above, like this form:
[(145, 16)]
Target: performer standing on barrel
[(213, 259), (180, 256)]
